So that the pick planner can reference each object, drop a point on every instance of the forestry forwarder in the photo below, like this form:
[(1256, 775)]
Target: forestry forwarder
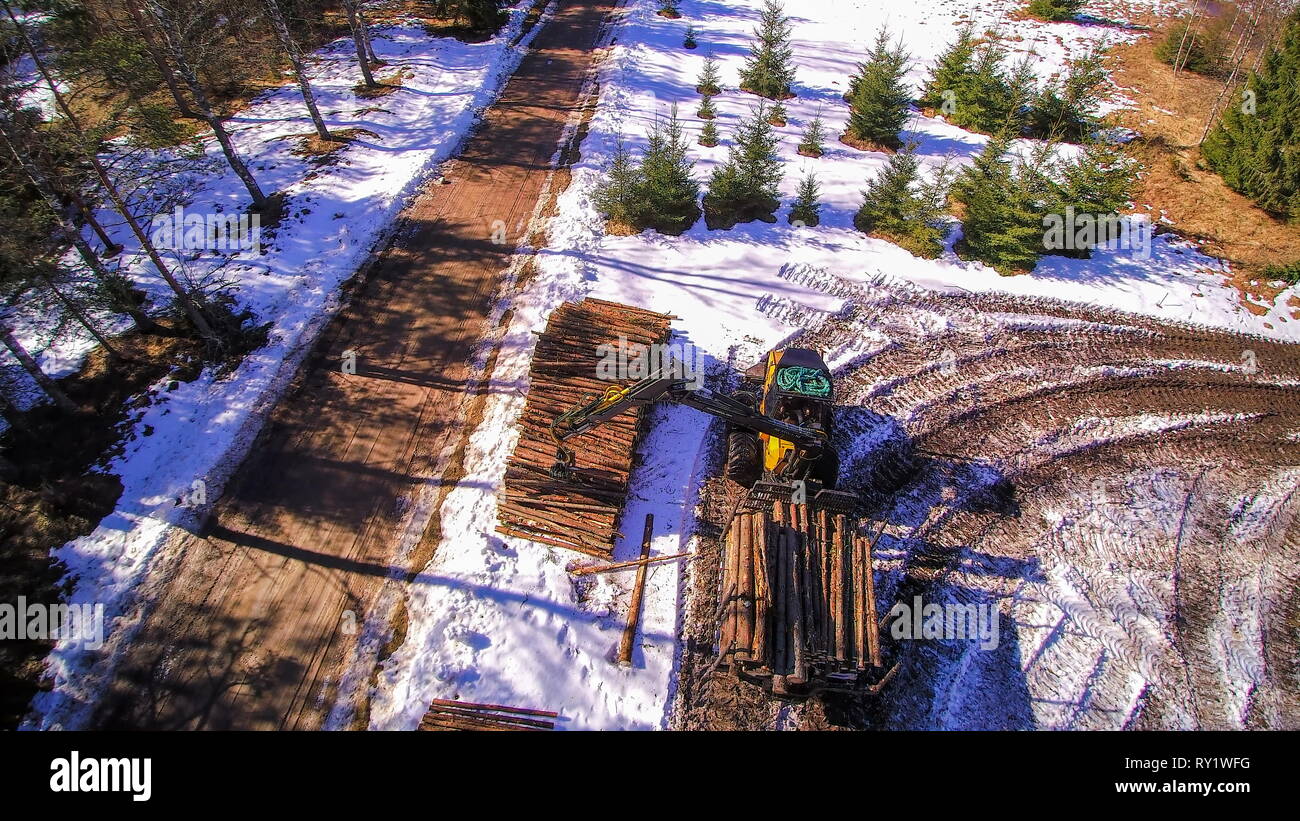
[(780, 424), (797, 602)]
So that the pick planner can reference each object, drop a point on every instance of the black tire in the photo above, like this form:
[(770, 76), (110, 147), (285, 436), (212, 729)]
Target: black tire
[(827, 469), (743, 465)]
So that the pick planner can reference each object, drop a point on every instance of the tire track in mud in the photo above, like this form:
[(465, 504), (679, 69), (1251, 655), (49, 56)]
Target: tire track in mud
[(1120, 488), (1022, 396)]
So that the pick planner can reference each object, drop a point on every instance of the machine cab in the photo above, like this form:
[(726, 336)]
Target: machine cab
[(796, 388)]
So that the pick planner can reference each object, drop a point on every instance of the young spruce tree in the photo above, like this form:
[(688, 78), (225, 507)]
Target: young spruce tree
[(710, 80), (707, 111), (1255, 146), (669, 9), (709, 134), (984, 100), (898, 206), (744, 188), (1055, 11), (1066, 107), (769, 72), (807, 203), (1003, 222), (952, 71), (669, 188), (879, 107), (661, 192), (1022, 91), (618, 195), (814, 138), (1099, 182)]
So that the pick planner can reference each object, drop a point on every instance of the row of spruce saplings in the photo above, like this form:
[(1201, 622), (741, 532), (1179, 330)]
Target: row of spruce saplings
[(1003, 198)]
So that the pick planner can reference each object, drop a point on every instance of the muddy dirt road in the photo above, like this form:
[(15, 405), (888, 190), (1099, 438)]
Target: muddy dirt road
[(255, 622), (1124, 494)]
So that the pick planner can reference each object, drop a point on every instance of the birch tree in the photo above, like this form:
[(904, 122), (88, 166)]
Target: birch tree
[(201, 324), (172, 37), (361, 39), (299, 70), (33, 369)]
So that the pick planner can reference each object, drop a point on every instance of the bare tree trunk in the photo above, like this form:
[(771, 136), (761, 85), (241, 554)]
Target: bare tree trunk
[(370, 47), (83, 320), (191, 310), (365, 35), (156, 55), (361, 39), (13, 416), (110, 248), (1239, 52), (1188, 41), (38, 180), (172, 39), (33, 369), (299, 73), (73, 235)]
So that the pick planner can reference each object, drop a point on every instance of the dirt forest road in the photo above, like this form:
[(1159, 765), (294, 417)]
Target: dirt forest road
[(249, 626)]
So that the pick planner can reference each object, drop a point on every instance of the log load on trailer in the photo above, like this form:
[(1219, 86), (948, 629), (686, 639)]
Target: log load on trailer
[(797, 598)]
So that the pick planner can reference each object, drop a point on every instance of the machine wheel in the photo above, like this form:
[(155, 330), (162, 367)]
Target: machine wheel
[(827, 468), (748, 398), (743, 466)]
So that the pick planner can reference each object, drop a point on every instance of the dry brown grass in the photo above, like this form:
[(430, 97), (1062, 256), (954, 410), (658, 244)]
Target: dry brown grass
[(383, 89), (387, 85), (618, 228), (397, 11), (1170, 116), (320, 151), (866, 145)]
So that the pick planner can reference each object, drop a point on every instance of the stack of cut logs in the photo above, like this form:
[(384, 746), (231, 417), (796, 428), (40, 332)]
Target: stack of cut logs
[(463, 715), (798, 602), (581, 514)]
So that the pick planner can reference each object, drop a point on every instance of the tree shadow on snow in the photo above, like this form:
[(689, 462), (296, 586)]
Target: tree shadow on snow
[(965, 680)]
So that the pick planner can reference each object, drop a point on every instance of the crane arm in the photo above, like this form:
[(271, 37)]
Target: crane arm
[(659, 387)]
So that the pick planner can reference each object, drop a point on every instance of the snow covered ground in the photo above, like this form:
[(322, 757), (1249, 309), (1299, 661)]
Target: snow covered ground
[(199, 432), (512, 627), (506, 624)]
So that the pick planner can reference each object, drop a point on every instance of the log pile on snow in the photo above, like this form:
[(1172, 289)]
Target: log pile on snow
[(463, 715), (797, 600), (581, 514)]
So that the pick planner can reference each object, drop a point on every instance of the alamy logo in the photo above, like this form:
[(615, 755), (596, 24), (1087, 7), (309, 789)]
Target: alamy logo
[(27, 621), (179, 231), (1081, 231), (952, 621), (636, 360), (949, 105), (77, 774)]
